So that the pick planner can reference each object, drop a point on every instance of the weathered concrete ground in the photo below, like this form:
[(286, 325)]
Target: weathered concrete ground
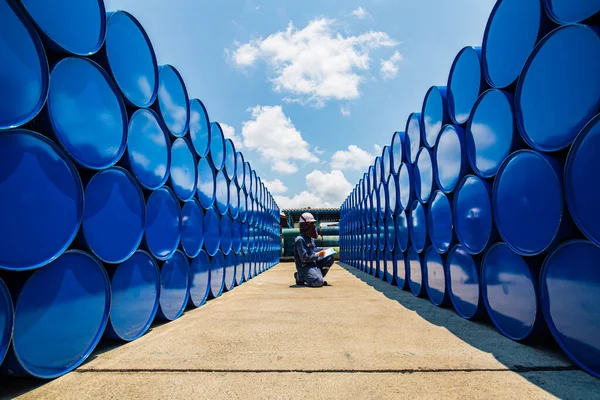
[(360, 338)]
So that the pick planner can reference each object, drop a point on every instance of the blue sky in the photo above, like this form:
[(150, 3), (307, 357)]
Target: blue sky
[(298, 82)]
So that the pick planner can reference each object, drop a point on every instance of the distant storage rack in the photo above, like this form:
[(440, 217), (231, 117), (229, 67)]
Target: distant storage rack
[(120, 200), (489, 199)]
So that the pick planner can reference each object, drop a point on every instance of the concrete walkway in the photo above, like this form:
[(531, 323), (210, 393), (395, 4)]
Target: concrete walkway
[(358, 339)]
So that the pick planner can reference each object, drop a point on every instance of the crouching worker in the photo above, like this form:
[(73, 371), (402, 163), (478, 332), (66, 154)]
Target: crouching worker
[(310, 271)]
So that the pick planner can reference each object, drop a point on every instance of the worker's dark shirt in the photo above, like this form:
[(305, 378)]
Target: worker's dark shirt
[(305, 252)]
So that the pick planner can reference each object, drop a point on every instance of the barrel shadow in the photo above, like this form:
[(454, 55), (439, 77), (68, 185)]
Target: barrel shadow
[(566, 379)]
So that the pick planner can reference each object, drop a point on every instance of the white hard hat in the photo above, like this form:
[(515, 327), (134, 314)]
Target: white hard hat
[(307, 217)]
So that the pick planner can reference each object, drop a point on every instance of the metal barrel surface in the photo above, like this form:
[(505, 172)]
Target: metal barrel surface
[(130, 59), (33, 167), (7, 315), (414, 268), (575, 87), (571, 11), (417, 227), (174, 286), (400, 269), (114, 216), (199, 128), (397, 150), (570, 278), (61, 312), (206, 183), (229, 271), (406, 192), (221, 193), (435, 115), (163, 223), (423, 175), (450, 158), (212, 231), (192, 228), (217, 274), (90, 125), (465, 83), (183, 173), (402, 231), (439, 222), (435, 277), (217, 147), (199, 279), (172, 102), (21, 45), (226, 233), (230, 160), (413, 137), (73, 28), (462, 271), (135, 288)]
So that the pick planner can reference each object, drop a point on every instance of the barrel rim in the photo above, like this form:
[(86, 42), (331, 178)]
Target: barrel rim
[(218, 245), (442, 90), (190, 148), (174, 197), (430, 223), (4, 292), (192, 262), (203, 108), (419, 257), (233, 174), (78, 186), (431, 250), (544, 302), (222, 137), (411, 159), (187, 101), (184, 303), (129, 176), (449, 284), (552, 15), (117, 94), (416, 168), (150, 101), (99, 333), (460, 134), (450, 96), (186, 205)]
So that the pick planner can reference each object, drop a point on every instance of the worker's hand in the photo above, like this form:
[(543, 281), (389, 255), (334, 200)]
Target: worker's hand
[(321, 254)]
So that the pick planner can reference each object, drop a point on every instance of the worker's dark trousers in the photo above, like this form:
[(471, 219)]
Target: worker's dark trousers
[(313, 275)]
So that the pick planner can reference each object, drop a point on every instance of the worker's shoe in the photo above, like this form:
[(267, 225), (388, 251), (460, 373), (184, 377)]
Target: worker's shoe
[(299, 283)]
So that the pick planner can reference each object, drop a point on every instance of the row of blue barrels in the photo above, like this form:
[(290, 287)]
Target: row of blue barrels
[(118, 192), (488, 199)]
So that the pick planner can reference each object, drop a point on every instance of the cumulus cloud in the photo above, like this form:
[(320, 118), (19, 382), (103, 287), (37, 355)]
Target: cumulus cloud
[(273, 135), (354, 158), (275, 186), (324, 189), (229, 133), (360, 13), (316, 63), (345, 111), (389, 67)]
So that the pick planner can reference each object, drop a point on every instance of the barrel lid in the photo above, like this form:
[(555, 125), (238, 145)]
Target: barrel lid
[(217, 274), (450, 159), (435, 280), (163, 217), (230, 159), (226, 231), (463, 282), (199, 279), (413, 137), (183, 172), (569, 11), (423, 175), (418, 226), (174, 286), (234, 199), (192, 228), (464, 84), (397, 150), (405, 186), (439, 222), (6, 319), (391, 194), (206, 187), (472, 214), (415, 271), (401, 231), (240, 169), (199, 128), (173, 102), (435, 114)]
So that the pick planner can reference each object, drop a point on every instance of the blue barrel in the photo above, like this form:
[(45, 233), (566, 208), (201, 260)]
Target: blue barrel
[(462, 272), (240, 170), (472, 212), (239, 269), (406, 192), (369, 182), (247, 177), (423, 175), (77, 28), (417, 226), (245, 237), (570, 295), (575, 87), (192, 228), (148, 149), (212, 231), (397, 150), (243, 215), (230, 159), (527, 201), (511, 33), (217, 274), (114, 216), (217, 147), (379, 264), (234, 199), (229, 271), (35, 172), (199, 128), (439, 222), (246, 261), (21, 47), (206, 186), (414, 269), (391, 189), (491, 132), (381, 233), (90, 124), (173, 104), (61, 311), (130, 59), (465, 82), (390, 233), (226, 230), (183, 172), (509, 287), (389, 267), (435, 277), (581, 172), (450, 158), (7, 315), (221, 192), (400, 269), (401, 231), (571, 11), (163, 223), (386, 163), (435, 115), (199, 279), (135, 288), (380, 201), (413, 137), (174, 287)]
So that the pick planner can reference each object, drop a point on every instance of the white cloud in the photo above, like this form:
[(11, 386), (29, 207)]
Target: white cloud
[(378, 149), (275, 186), (345, 111), (324, 189), (316, 63), (389, 67), (318, 151), (229, 133), (273, 135), (354, 159), (360, 13)]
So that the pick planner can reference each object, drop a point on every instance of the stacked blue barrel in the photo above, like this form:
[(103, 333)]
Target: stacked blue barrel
[(120, 200), (488, 200)]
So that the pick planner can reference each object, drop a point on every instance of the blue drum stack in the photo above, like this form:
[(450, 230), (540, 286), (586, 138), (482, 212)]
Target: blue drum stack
[(488, 200), (120, 201)]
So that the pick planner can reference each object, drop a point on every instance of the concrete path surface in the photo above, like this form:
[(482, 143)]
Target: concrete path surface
[(358, 339)]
